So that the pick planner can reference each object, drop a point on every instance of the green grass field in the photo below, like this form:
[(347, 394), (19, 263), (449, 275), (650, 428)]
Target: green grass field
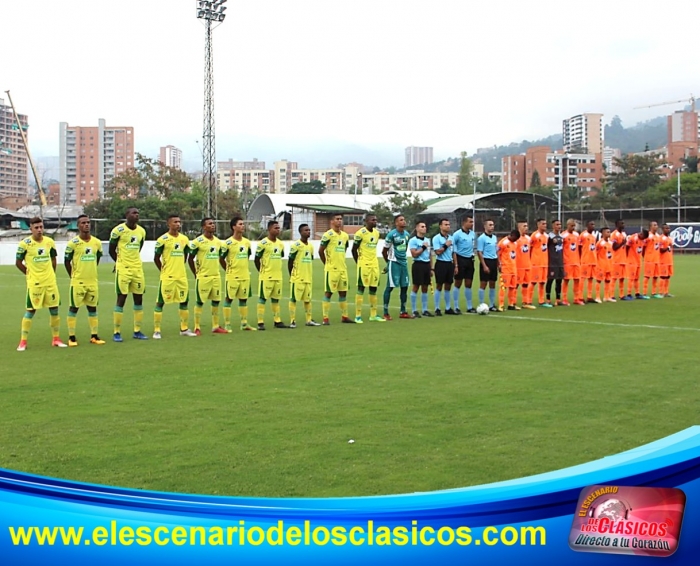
[(431, 403)]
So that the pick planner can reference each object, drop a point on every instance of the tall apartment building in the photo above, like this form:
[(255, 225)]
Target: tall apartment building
[(231, 164), (418, 156), (246, 180), (609, 156), (170, 156), (683, 127), (513, 173), (583, 133), (13, 157), (90, 157)]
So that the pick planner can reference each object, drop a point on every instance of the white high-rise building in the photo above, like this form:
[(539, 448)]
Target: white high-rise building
[(583, 132), (170, 156), (418, 156), (13, 157)]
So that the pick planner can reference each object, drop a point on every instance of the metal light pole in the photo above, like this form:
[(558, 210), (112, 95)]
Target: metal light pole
[(212, 12), (678, 195)]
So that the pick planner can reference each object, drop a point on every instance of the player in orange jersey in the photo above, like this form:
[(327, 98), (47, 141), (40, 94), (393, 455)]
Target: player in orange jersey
[(652, 258), (604, 267), (539, 256), (589, 261), (619, 242), (666, 260), (507, 263), (524, 265), (635, 250), (572, 264)]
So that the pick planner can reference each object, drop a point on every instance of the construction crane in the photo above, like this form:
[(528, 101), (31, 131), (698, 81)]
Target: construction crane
[(18, 126), (691, 100)]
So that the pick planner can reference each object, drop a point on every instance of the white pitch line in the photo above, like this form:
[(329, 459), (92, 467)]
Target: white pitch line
[(598, 323)]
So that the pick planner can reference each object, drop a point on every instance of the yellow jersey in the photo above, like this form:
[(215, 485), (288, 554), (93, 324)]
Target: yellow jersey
[(84, 257), (366, 241), (206, 254), (270, 254), (129, 243), (173, 253), (303, 256), (336, 244), (237, 255), (37, 258)]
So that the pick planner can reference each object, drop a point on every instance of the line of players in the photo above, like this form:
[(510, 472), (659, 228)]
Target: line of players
[(526, 261)]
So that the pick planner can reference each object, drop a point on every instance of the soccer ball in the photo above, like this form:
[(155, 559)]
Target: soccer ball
[(483, 308)]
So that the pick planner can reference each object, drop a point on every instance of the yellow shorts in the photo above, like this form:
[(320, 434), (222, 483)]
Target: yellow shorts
[(208, 289), (238, 289), (173, 291), (130, 281), (43, 296), (300, 292), (270, 290), (336, 281), (368, 276), (87, 295)]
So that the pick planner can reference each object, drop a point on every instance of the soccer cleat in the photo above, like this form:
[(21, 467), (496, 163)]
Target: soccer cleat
[(246, 328), (450, 311), (428, 314), (56, 343), (457, 311), (314, 323), (546, 305), (218, 330), (358, 320), (22, 346), (493, 309), (405, 315), (228, 328), (500, 309), (627, 298), (579, 302), (512, 308), (644, 297), (471, 311), (326, 322), (197, 332), (528, 306), (293, 324), (117, 337), (591, 300), (438, 312), (638, 296), (156, 336), (668, 296), (416, 314), (347, 320), (261, 326), (377, 319), (187, 332), (72, 342), (140, 336), (97, 340), (387, 316), (609, 300), (598, 301), (280, 324), (564, 304), (657, 296)]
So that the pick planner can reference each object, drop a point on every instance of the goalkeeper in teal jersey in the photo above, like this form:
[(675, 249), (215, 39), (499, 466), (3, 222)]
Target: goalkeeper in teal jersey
[(394, 253)]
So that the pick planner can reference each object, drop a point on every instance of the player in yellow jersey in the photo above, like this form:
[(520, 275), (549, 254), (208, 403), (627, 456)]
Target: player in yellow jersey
[(36, 258), (334, 245), (300, 265), (235, 259), (364, 252), (205, 250), (81, 260), (171, 258), (268, 262), (125, 243)]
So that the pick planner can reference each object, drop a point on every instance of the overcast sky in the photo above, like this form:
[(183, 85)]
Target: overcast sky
[(328, 81)]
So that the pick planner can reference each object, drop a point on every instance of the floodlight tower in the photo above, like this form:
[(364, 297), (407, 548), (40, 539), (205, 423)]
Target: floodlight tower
[(212, 12)]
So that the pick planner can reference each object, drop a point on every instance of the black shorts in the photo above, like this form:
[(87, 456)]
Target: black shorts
[(555, 272), (492, 275), (420, 273), (444, 272), (466, 268)]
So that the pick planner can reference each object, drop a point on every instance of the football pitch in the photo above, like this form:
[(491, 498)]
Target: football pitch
[(430, 404)]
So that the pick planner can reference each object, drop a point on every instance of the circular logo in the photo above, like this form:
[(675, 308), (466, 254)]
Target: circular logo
[(682, 236)]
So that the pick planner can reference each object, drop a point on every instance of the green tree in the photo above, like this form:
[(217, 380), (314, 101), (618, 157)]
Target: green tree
[(409, 206), (149, 177), (465, 179), (310, 188), (637, 175), (535, 180), (668, 190), (445, 188), (691, 163)]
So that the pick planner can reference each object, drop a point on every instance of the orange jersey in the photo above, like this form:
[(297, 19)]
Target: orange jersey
[(636, 247), (538, 249), (522, 259), (572, 256), (651, 251), (507, 254), (604, 255), (620, 254), (666, 246), (587, 241)]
